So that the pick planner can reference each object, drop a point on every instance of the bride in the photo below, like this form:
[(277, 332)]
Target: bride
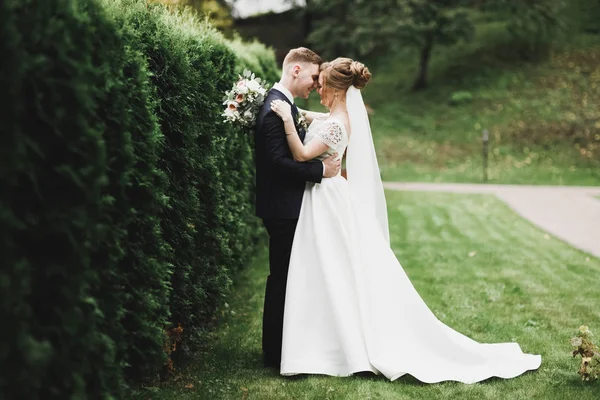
[(349, 306)]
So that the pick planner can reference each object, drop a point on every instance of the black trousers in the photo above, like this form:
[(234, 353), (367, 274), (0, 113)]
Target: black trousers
[(281, 236)]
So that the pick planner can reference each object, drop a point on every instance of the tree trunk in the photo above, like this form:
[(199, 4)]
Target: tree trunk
[(421, 81)]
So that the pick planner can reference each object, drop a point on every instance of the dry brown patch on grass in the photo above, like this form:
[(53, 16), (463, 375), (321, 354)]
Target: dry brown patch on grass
[(574, 106)]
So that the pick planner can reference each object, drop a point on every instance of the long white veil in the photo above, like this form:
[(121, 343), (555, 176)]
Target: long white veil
[(362, 168)]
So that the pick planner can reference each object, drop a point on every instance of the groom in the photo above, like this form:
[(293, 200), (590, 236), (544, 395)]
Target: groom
[(280, 185)]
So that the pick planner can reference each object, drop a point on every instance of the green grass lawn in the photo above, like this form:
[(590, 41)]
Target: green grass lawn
[(481, 269)]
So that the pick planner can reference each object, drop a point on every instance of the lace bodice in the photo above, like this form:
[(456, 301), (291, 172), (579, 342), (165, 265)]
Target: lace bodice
[(330, 131)]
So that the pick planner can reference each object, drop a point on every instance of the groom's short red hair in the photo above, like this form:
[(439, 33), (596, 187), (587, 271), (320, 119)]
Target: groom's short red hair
[(302, 55)]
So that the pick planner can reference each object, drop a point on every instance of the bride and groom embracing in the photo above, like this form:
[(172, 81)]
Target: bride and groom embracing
[(337, 300)]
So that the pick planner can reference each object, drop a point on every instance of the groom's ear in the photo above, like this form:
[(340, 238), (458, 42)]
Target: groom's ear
[(296, 70)]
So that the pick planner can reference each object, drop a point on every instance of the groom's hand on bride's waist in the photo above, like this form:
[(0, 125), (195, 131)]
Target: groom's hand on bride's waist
[(331, 166)]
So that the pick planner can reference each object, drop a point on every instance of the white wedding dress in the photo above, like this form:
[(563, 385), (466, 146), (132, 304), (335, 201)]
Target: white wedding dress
[(349, 305)]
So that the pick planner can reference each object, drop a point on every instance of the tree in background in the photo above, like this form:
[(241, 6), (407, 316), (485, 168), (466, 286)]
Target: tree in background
[(218, 12), (536, 22), (359, 29), (425, 23), (332, 23), (587, 12)]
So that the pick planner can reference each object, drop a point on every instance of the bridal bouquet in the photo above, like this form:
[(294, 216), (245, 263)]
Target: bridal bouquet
[(243, 101)]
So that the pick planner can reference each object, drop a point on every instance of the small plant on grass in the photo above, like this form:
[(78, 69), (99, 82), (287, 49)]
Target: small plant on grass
[(460, 97), (584, 346)]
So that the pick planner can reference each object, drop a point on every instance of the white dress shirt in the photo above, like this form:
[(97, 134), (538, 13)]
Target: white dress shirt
[(284, 90)]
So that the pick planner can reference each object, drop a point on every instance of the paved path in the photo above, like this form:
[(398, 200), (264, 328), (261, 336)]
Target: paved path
[(570, 213)]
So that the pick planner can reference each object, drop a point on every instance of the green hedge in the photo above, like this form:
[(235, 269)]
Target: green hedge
[(135, 200), (239, 151), (54, 198), (255, 57), (125, 203)]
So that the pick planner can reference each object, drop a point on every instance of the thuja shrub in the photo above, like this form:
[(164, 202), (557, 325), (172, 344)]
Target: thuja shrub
[(53, 186), (88, 272), (256, 57), (125, 203), (135, 202), (245, 231), (206, 222)]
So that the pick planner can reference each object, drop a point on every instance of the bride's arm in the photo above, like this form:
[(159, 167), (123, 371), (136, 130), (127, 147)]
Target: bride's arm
[(299, 151), (311, 115)]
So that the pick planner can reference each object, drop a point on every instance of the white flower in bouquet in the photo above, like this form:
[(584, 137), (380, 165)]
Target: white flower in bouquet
[(253, 86), (243, 101)]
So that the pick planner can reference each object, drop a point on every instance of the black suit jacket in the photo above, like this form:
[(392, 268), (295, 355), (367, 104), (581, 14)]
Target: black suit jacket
[(280, 180)]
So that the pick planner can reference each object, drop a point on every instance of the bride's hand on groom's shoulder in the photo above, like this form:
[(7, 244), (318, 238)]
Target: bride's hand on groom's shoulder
[(282, 109)]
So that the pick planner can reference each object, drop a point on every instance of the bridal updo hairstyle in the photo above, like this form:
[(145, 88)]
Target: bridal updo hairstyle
[(343, 72)]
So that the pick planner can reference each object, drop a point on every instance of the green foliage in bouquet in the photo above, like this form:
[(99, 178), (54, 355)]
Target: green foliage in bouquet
[(585, 347)]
